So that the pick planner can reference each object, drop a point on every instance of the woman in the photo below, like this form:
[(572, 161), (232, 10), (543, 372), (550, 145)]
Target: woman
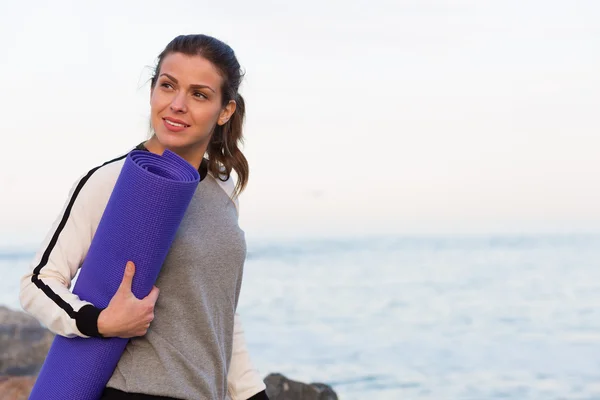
[(187, 342)]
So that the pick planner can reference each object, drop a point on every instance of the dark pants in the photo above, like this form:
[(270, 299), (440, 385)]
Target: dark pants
[(114, 394)]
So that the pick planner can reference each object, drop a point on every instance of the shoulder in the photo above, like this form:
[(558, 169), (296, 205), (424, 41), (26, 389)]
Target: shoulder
[(228, 185), (96, 184), (102, 176)]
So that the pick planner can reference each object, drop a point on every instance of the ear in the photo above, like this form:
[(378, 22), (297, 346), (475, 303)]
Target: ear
[(227, 112)]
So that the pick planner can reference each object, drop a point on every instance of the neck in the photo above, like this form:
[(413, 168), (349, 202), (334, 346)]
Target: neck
[(193, 155)]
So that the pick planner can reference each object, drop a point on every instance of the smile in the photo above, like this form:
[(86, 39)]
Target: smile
[(175, 123)]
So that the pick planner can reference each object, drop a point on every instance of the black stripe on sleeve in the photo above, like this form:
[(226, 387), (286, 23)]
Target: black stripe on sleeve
[(46, 256)]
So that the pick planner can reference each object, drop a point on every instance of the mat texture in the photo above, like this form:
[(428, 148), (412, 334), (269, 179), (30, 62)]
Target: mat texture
[(139, 224)]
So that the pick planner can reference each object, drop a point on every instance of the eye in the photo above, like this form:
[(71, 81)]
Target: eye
[(166, 85), (199, 95)]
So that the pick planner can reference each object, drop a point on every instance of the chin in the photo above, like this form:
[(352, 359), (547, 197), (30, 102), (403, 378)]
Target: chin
[(176, 141), (171, 140)]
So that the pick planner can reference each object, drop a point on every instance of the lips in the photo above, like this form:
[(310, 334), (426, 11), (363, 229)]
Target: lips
[(175, 122)]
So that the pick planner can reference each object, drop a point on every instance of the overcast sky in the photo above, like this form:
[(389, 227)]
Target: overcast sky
[(364, 117)]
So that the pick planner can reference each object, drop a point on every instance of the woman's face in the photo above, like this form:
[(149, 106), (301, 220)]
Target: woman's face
[(186, 103)]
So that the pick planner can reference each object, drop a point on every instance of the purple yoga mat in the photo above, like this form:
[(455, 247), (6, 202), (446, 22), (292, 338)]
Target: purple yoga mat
[(139, 224)]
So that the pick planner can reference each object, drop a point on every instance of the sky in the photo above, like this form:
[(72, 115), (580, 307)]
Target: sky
[(363, 117)]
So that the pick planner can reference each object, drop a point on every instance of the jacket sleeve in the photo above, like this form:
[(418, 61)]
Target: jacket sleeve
[(44, 290), (243, 380)]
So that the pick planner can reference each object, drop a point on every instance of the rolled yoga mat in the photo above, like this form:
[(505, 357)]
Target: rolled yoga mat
[(139, 224)]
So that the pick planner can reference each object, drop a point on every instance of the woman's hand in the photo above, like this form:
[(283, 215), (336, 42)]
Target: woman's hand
[(127, 316)]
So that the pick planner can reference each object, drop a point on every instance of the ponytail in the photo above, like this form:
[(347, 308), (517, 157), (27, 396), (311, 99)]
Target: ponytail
[(224, 154)]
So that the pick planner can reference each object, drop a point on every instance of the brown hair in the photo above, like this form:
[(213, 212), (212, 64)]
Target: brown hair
[(223, 151)]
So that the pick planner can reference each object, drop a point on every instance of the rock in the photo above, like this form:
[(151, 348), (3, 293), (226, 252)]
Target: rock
[(24, 343), (281, 388), (15, 387)]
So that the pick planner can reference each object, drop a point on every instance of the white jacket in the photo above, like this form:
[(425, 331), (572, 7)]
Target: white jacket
[(62, 253)]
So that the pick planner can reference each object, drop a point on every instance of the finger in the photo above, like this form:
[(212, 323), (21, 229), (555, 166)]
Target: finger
[(153, 295), (128, 277)]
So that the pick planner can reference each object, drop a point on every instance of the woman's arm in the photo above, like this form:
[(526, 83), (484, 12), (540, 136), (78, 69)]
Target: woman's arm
[(44, 289), (243, 380)]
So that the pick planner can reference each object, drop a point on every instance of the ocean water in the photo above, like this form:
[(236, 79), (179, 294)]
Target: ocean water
[(488, 317)]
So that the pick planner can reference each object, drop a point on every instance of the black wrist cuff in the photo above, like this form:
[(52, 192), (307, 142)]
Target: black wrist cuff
[(87, 320)]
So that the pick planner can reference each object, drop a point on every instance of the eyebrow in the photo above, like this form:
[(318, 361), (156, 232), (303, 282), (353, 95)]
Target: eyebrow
[(196, 86)]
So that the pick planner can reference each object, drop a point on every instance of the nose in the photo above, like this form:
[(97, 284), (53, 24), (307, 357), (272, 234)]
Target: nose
[(178, 104)]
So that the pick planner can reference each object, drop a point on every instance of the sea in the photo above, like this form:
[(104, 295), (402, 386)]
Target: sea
[(419, 317)]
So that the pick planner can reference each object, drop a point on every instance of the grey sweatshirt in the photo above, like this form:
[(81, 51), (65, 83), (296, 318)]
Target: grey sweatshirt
[(187, 352)]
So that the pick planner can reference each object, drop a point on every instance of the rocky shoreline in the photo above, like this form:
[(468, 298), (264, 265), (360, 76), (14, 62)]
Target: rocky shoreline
[(24, 344)]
